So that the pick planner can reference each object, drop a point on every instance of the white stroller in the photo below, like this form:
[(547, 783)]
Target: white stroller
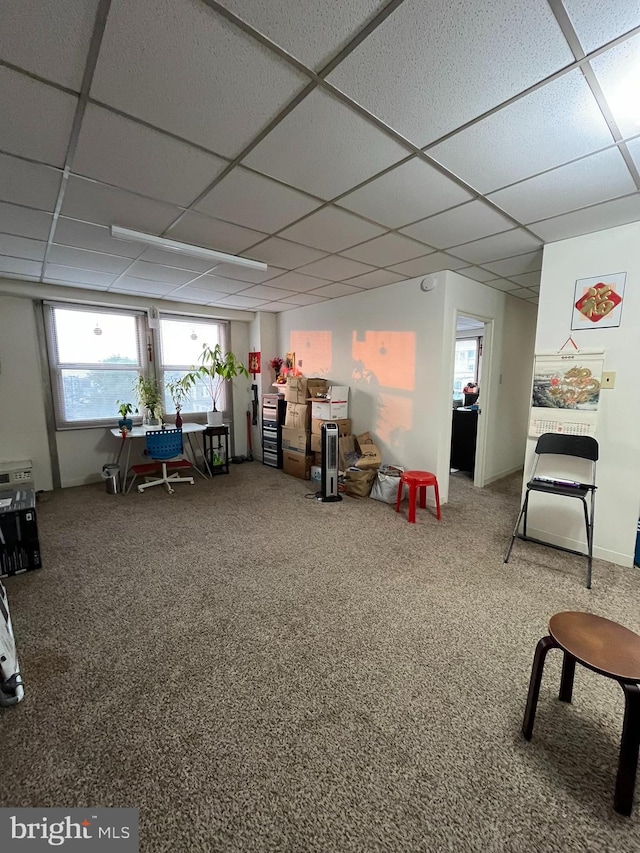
[(11, 689)]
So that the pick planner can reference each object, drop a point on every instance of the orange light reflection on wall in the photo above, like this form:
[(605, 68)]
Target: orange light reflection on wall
[(394, 417), (385, 358), (313, 352)]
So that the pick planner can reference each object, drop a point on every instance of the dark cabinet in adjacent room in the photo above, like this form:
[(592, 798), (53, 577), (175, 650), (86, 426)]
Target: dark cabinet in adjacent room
[(464, 434)]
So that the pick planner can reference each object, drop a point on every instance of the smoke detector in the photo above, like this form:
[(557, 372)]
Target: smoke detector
[(428, 283)]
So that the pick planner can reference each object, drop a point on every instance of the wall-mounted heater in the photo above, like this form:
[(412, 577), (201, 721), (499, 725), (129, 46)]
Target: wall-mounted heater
[(329, 473)]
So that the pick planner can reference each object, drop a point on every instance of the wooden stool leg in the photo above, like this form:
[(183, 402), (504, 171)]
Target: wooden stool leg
[(628, 761), (423, 497), (566, 682), (399, 498), (437, 491), (412, 503), (542, 648)]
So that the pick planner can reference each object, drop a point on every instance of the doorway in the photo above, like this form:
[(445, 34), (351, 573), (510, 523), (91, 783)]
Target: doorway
[(470, 397)]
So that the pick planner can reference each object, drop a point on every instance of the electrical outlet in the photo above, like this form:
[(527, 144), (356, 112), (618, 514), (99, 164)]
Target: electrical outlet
[(608, 379)]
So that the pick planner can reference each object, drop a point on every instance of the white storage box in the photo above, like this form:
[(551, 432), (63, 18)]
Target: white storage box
[(335, 407)]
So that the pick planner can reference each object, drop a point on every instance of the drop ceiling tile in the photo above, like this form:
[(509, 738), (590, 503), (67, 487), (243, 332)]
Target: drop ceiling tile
[(49, 40), (387, 250), (596, 178), (312, 32), (83, 235), (215, 234), (193, 294), (597, 23), (534, 300), (634, 150), (521, 293), (336, 289), (28, 183), (156, 272), (246, 274), (324, 147), (535, 288), (303, 299), (241, 302), (298, 282), (620, 211), (75, 277), (434, 262), (22, 247), (19, 266), (431, 67), (332, 230), (528, 262), (127, 284), (377, 278), (502, 284), (476, 273), (102, 205), (335, 268), (276, 306), (220, 284), (24, 222), (467, 222), (122, 152), (176, 259), (528, 279), (499, 246), (284, 253), (255, 201), (554, 124), (68, 257), (266, 292), (618, 72), (36, 119), (196, 72), (406, 193)]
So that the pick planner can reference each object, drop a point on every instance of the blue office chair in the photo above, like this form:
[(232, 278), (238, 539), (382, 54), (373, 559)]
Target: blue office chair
[(163, 445)]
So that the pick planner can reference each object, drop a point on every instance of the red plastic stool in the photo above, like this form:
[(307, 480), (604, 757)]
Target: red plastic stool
[(418, 480)]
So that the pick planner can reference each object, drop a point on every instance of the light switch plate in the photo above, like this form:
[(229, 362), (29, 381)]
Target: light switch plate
[(608, 379)]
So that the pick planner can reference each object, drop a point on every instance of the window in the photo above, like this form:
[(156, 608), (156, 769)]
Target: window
[(181, 340), (95, 356), (466, 365)]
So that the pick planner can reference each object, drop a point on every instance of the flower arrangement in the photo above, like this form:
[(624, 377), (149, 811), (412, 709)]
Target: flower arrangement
[(276, 363)]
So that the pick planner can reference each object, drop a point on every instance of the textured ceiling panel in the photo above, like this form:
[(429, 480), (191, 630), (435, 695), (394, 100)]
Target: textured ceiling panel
[(285, 253), (468, 222), (386, 250), (71, 232), (377, 278), (197, 72), (312, 32), (78, 277), (597, 23), (433, 66), (325, 148), (299, 282), (24, 222), (28, 183), (618, 72), (499, 246), (634, 150), (48, 39), (104, 205), (335, 268), (22, 247), (20, 267), (555, 124), (527, 262), (69, 257), (434, 262), (617, 212), (332, 230), (214, 234)]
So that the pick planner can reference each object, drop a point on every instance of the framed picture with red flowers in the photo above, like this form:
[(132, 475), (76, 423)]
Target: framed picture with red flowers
[(598, 301)]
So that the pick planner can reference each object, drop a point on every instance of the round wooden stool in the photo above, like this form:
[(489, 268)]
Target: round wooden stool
[(418, 480), (611, 650)]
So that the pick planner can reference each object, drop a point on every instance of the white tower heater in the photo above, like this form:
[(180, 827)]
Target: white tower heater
[(329, 472)]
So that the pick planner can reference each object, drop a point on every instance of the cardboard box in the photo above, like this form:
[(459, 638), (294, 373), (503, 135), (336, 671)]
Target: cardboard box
[(296, 464), (316, 473), (316, 443), (295, 391), (369, 454), (330, 410), (295, 439), (316, 387), (343, 424), (297, 416)]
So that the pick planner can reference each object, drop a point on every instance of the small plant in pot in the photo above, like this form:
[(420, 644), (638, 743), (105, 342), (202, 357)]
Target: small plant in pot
[(149, 398), (215, 369), (179, 394), (125, 410)]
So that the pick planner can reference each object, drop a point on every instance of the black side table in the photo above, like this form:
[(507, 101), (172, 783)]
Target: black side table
[(217, 455)]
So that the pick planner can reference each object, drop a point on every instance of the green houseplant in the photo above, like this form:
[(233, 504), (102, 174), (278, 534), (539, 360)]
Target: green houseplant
[(215, 368), (149, 398), (178, 393), (124, 410)]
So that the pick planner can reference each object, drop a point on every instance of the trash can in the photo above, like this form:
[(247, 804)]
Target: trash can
[(111, 473)]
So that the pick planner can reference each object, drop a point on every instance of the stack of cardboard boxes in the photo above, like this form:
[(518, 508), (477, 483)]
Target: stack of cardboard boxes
[(310, 402)]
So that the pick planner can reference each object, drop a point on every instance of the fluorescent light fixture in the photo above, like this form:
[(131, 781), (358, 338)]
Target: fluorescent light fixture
[(183, 248)]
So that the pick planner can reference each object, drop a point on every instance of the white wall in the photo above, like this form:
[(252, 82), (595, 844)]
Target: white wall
[(617, 431), (23, 433), (262, 338), (412, 425)]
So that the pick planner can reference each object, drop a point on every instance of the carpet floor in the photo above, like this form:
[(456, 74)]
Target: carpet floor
[(258, 671)]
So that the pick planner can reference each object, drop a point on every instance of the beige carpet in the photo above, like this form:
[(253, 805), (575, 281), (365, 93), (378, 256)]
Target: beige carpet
[(257, 671)]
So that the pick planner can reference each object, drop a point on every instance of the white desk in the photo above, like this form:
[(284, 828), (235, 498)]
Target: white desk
[(141, 431)]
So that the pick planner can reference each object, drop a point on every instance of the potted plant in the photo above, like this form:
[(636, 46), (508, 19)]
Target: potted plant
[(124, 410), (215, 368), (149, 398), (179, 393)]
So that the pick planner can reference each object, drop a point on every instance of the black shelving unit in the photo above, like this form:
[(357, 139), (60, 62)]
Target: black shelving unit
[(274, 409)]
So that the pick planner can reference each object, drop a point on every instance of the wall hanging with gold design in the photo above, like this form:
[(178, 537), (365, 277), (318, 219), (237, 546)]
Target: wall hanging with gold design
[(598, 302)]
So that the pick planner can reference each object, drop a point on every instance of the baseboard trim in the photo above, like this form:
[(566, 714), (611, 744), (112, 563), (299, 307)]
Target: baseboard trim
[(499, 476), (606, 554), (85, 481)]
